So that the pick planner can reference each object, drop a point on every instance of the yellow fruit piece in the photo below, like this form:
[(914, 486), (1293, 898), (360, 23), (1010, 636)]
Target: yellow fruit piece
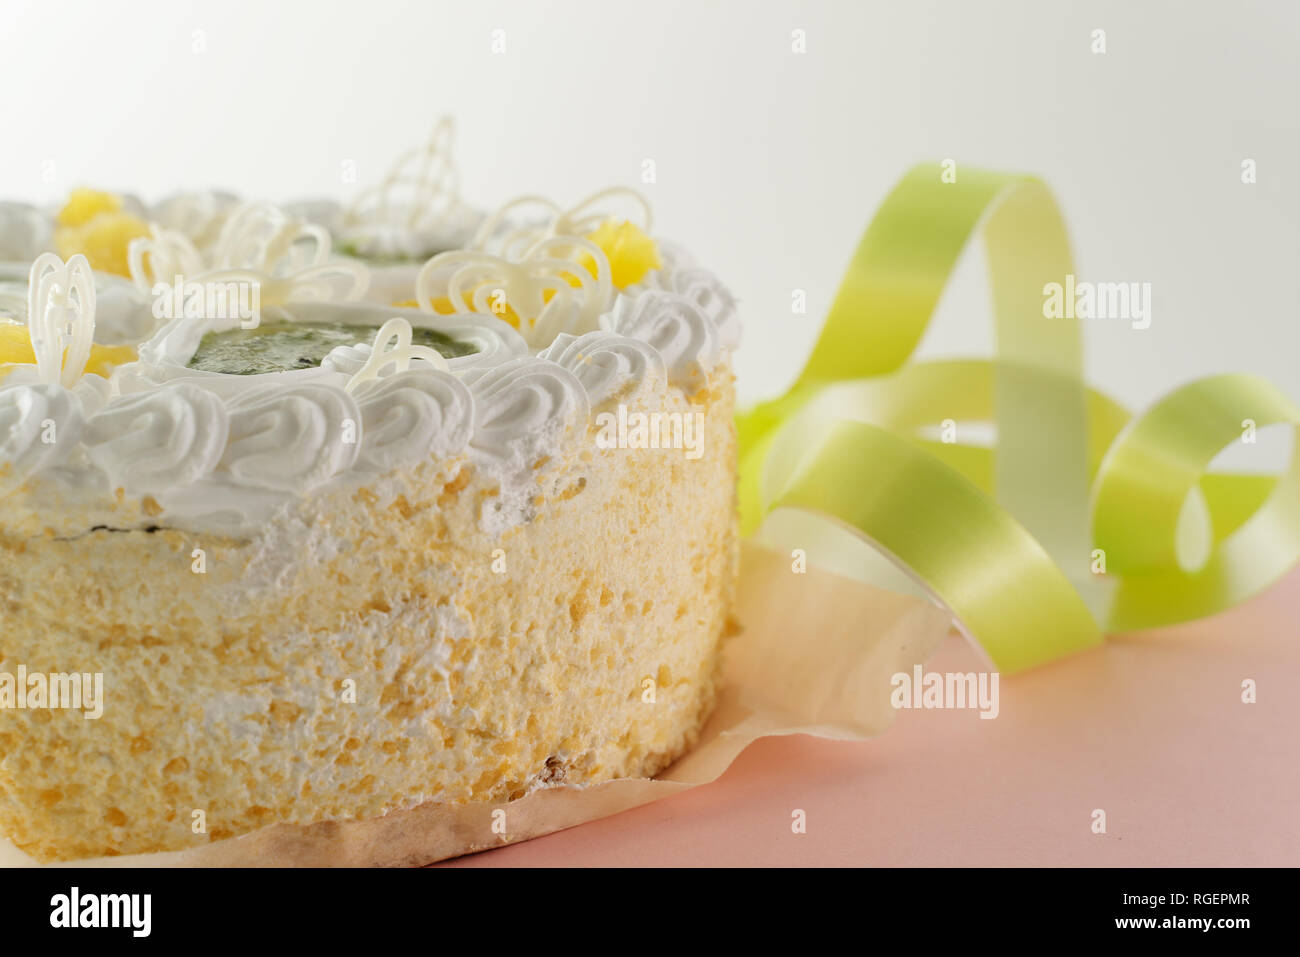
[(85, 204), (16, 349), (630, 251), (103, 239), (104, 359), (508, 314), (15, 343)]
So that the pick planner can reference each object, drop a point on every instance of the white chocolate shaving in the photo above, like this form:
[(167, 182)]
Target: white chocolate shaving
[(226, 452)]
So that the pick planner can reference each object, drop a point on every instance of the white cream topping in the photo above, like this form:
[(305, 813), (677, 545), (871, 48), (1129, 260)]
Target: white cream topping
[(525, 411), (25, 232), (149, 442), (607, 365), (291, 438), (412, 416), (522, 409), (40, 425), (700, 286), (676, 327), (225, 453), (93, 391)]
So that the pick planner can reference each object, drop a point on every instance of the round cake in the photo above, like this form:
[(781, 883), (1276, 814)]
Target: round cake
[(277, 548)]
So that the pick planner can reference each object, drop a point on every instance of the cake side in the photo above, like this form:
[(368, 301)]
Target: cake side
[(577, 647)]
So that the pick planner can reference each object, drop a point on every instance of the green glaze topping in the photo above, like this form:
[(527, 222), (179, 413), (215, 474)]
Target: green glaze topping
[(284, 346)]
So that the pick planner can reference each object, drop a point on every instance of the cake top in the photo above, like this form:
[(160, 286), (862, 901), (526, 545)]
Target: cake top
[(246, 356)]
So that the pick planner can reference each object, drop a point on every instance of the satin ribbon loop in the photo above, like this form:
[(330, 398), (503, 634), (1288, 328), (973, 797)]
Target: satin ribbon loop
[(1073, 520)]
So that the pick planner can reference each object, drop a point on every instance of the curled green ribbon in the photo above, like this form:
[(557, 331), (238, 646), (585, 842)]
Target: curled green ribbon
[(1078, 520)]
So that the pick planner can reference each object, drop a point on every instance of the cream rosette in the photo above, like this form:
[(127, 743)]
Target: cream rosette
[(678, 329), (608, 365), (40, 426), (276, 436), (680, 274)]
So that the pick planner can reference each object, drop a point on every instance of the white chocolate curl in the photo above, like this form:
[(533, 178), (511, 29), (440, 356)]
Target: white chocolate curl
[(538, 288), (396, 331), (287, 258), (502, 234), (421, 190), (61, 317)]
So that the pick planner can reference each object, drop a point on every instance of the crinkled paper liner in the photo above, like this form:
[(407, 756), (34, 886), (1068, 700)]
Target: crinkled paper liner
[(815, 656)]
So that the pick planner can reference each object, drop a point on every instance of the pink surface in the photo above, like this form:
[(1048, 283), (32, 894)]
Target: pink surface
[(1150, 728)]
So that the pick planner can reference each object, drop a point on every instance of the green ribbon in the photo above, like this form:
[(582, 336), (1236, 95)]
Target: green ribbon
[(1078, 520)]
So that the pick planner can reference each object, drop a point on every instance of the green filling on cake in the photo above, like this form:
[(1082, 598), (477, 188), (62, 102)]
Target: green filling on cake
[(355, 250), (284, 346)]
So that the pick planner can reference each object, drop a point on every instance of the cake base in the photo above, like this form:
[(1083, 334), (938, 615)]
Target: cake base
[(377, 649), (417, 836)]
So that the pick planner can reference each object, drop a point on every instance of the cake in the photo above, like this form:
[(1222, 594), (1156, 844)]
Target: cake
[(336, 557)]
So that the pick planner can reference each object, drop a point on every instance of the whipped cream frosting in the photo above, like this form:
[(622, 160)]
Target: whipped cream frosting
[(608, 365), (686, 338), (225, 453), (40, 425), (412, 415), (682, 276), (150, 442), (26, 231)]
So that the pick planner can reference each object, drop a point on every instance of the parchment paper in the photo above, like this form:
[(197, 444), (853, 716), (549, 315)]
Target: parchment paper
[(815, 656)]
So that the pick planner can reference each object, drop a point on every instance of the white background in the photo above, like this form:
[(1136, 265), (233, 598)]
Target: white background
[(769, 163)]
